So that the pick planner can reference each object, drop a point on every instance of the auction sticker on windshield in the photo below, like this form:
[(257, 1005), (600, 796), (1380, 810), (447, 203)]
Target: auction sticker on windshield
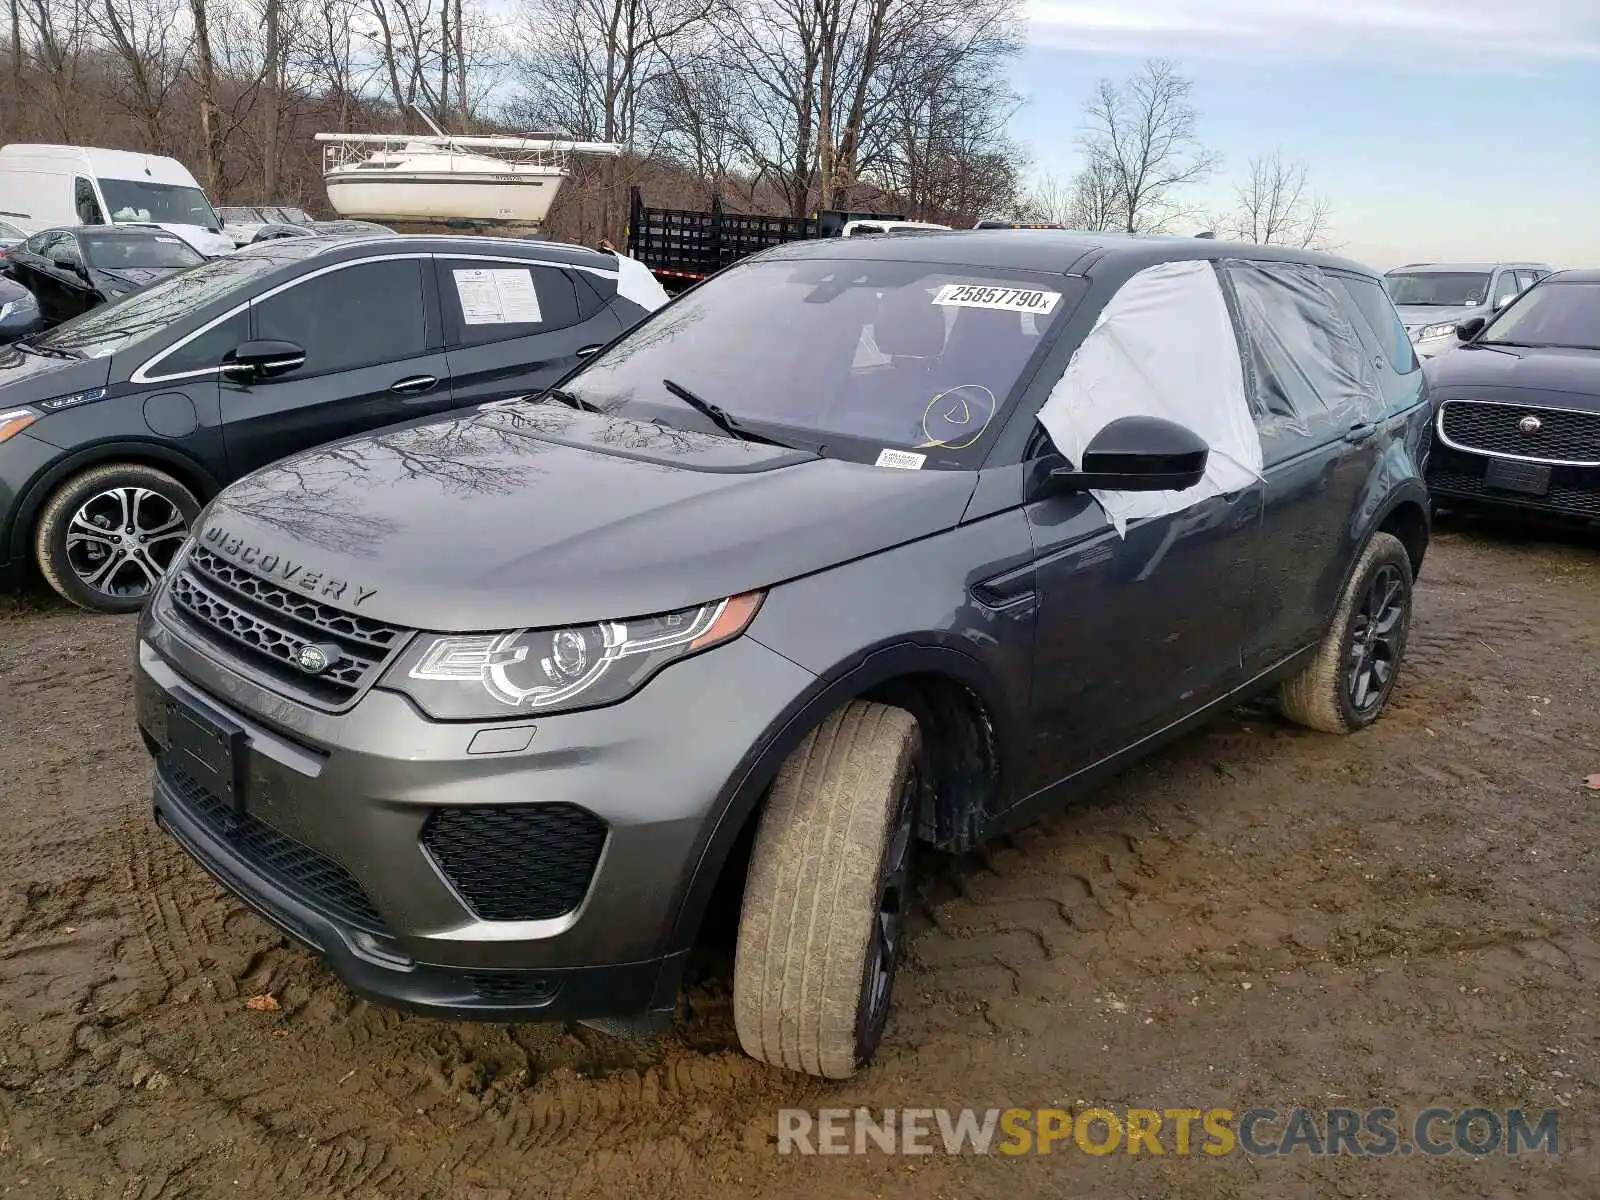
[(972, 295)]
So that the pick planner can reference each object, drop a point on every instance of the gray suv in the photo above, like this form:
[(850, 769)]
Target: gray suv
[(1433, 298), (861, 545)]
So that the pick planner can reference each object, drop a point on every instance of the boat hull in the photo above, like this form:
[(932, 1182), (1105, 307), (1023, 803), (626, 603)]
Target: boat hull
[(443, 198)]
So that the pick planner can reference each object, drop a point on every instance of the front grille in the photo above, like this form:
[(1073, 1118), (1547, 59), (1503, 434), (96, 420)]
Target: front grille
[(1559, 500), (526, 862), (1564, 436), (305, 873), (267, 625)]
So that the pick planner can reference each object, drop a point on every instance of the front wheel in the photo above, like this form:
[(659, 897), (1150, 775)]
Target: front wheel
[(1350, 681), (108, 535), (823, 920)]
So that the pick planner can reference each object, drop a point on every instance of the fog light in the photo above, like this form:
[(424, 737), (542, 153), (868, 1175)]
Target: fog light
[(371, 945)]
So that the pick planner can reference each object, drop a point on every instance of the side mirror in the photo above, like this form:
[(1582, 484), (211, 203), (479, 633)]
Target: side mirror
[(65, 261), (1137, 454), (263, 360), (1470, 328)]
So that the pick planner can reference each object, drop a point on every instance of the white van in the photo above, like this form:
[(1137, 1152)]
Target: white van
[(46, 186)]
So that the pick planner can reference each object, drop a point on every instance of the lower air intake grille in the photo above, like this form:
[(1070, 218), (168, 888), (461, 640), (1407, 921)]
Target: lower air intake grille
[(305, 873), (527, 862), (1560, 501)]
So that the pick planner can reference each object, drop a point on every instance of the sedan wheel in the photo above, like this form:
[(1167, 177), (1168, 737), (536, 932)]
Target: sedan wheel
[(107, 537)]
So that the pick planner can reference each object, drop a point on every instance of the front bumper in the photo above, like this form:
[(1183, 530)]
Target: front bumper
[(330, 848), (1457, 478)]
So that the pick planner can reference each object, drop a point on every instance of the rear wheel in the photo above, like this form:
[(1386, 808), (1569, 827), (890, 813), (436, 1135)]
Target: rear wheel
[(1349, 682), (107, 536), (823, 920)]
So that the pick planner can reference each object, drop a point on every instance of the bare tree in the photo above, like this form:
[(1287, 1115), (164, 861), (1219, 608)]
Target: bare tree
[(57, 32), (206, 81), (1276, 207), (143, 34), (1140, 138)]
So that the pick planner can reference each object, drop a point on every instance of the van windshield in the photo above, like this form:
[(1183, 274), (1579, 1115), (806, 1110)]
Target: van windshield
[(161, 203)]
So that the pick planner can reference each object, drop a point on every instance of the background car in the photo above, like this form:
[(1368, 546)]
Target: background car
[(1433, 298), (116, 426), (10, 235), (19, 312), (71, 271), (1518, 406)]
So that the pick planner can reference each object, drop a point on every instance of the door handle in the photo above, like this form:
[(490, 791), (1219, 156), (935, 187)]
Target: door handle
[(1360, 433), (417, 383), (585, 351)]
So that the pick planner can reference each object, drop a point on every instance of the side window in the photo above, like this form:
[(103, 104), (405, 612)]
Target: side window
[(1505, 287), (496, 301), (41, 243), (354, 317), (1378, 311), (1526, 279), (207, 350), (83, 199), (1308, 375), (67, 246)]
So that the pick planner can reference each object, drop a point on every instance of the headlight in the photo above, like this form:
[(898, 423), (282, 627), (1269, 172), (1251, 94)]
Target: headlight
[(481, 676), (1443, 329), (15, 421)]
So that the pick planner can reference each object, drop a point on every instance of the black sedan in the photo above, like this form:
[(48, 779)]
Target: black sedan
[(117, 426), (1518, 406), (71, 271)]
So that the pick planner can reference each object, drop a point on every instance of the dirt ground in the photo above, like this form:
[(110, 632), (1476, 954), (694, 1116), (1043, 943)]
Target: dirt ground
[(1257, 916)]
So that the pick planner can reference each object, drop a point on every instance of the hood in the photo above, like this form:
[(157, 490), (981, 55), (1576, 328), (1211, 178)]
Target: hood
[(1414, 316), (128, 279), (27, 377), (1573, 374), (202, 239), (519, 514)]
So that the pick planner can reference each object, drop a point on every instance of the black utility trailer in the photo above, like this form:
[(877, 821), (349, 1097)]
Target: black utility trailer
[(683, 245)]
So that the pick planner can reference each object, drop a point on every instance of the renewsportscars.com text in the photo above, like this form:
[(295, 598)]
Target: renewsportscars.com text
[(1262, 1132)]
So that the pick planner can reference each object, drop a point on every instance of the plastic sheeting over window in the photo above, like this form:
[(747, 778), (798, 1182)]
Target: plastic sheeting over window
[(1163, 347), (1308, 369)]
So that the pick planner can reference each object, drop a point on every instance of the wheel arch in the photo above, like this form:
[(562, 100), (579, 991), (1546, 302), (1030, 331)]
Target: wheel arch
[(965, 724), (180, 466)]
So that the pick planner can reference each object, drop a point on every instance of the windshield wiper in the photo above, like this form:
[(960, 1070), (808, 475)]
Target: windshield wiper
[(720, 418), (50, 351), (571, 399)]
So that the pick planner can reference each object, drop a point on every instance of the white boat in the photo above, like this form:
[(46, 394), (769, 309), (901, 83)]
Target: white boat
[(443, 180)]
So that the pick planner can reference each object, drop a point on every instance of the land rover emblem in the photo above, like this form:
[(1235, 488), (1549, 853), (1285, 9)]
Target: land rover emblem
[(1530, 424), (314, 660)]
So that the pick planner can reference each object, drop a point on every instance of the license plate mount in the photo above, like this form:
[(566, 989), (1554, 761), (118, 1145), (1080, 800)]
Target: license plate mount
[(1530, 479), (213, 751)]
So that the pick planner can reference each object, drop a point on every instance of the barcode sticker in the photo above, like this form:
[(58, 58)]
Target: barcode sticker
[(905, 460), (971, 295)]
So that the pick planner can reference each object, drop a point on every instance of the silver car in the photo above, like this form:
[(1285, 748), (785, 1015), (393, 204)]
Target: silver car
[(1433, 298)]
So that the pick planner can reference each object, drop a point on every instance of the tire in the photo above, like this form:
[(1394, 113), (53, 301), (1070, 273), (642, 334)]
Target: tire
[(822, 923), (1348, 684), (107, 536)]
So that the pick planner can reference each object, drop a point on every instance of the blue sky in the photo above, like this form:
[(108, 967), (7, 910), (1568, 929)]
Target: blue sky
[(1439, 129)]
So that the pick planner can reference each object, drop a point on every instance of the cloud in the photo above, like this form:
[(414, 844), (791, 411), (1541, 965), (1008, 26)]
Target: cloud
[(1432, 34)]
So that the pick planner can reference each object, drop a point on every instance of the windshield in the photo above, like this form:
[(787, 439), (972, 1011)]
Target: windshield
[(1443, 289), (8, 230), (112, 252), (161, 203), (1550, 314), (854, 355), (107, 329)]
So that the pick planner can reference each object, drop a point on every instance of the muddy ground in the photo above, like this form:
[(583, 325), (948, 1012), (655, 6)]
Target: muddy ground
[(1258, 916)]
